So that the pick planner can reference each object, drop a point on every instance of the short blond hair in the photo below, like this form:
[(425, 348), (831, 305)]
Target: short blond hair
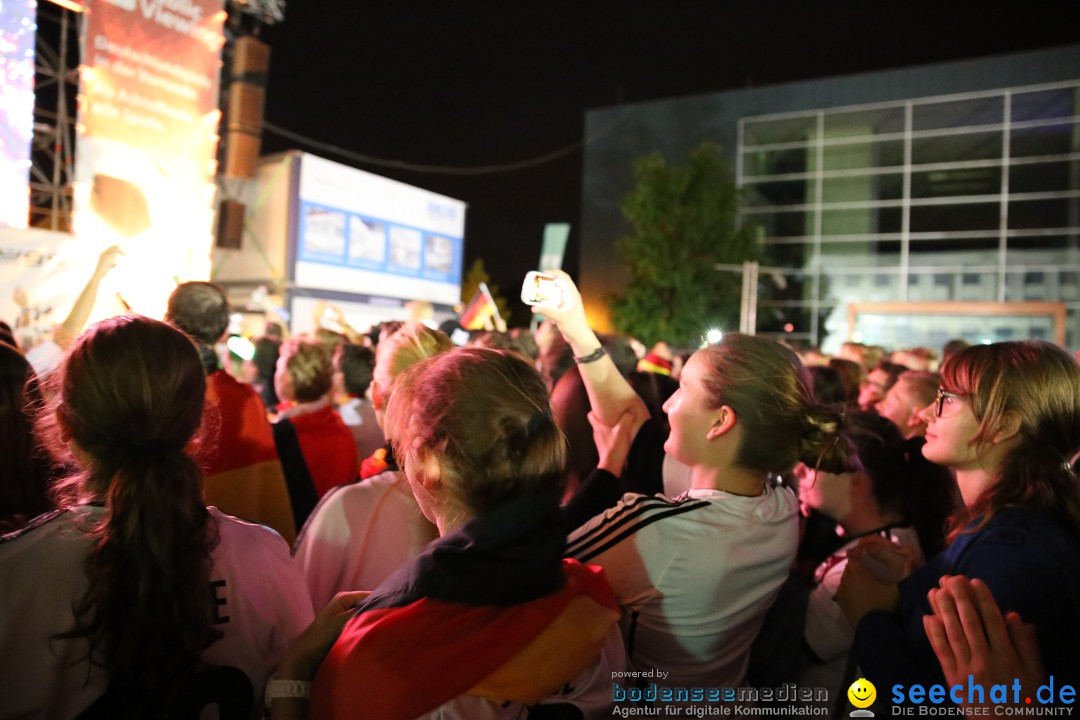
[(410, 344), (309, 367)]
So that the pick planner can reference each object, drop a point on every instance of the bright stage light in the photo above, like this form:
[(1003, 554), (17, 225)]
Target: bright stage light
[(714, 336)]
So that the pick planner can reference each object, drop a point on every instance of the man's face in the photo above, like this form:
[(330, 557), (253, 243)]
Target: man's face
[(872, 389), (898, 407)]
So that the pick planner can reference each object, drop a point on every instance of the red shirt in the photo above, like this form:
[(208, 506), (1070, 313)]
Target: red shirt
[(328, 448), (241, 472)]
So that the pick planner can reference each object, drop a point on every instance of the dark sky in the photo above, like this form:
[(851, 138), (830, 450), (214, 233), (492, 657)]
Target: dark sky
[(468, 84)]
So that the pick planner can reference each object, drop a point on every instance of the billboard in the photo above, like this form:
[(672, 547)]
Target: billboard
[(362, 234)]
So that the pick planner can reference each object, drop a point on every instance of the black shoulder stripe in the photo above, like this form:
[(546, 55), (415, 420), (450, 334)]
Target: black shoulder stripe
[(638, 505), (34, 523), (581, 551), (685, 508)]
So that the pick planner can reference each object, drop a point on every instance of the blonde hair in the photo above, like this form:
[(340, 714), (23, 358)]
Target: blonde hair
[(410, 344), (309, 367), (485, 415)]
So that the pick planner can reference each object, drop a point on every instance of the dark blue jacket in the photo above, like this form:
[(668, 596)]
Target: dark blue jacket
[(1031, 565)]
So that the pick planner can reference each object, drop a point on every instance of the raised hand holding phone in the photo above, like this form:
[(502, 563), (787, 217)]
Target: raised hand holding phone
[(541, 289), (560, 301), (609, 393)]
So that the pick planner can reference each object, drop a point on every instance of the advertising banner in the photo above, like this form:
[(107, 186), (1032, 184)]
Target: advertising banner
[(147, 137), (363, 234), (16, 108)]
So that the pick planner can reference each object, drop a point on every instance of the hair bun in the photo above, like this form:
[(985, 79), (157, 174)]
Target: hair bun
[(824, 443)]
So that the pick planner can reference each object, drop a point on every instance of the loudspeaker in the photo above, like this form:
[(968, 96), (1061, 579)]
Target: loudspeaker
[(251, 61), (244, 110), (241, 152), (230, 224), (246, 104)]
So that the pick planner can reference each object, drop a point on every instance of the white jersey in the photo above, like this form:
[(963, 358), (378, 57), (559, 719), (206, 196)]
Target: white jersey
[(694, 576), (261, 606), (359, 534)]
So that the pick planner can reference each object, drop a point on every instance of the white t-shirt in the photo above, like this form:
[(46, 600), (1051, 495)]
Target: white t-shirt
[(694, 576), (261, 608), (358, 414), (359, 534)]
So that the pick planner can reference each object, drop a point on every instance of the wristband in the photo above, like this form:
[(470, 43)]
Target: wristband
[(591, 357), (280, 689)]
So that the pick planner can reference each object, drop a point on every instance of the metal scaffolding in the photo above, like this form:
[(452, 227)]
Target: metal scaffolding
[(56, 84)]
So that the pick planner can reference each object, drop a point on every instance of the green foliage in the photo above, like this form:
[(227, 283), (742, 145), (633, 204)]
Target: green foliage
[(684, 221)]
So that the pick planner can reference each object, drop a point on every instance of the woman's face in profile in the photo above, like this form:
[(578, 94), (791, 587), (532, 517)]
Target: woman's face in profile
[(689, 415)]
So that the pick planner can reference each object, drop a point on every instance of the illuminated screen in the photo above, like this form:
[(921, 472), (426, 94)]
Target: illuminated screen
[(17, 24), (364, 234)]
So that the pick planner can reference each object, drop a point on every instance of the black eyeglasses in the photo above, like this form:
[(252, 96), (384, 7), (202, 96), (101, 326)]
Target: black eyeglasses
[(942, 396)]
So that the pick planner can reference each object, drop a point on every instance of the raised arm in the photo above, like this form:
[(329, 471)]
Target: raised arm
[(72, 326), (609, 393)]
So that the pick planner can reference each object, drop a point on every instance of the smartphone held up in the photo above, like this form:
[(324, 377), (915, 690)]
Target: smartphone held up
[(541, 290)]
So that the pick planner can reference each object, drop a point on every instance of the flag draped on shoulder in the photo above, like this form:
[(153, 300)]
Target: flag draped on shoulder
[(462, 613)]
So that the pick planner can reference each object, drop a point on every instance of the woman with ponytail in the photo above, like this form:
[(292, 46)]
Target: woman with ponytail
[(1007, 421), (695, 575), (133, 584)]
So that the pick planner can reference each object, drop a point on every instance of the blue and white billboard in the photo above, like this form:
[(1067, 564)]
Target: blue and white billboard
[(363, 234)]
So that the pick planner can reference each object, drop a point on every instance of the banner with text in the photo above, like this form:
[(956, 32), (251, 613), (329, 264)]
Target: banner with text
[(147, 137)]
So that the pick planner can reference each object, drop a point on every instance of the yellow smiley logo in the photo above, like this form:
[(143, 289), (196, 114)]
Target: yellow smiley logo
[(862, 693)]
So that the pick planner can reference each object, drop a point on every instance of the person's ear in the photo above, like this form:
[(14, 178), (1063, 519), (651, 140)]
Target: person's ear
[(723, 421), (1008, 427), (430, 472)]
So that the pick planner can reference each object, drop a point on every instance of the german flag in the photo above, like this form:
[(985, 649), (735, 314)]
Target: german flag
[(491, 610)]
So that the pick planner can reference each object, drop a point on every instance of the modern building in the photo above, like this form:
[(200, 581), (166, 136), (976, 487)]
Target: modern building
[(882, 196)]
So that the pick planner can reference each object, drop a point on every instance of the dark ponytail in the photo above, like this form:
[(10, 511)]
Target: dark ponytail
[(27, 469), (132, 399), (903, 481), (930, 498)]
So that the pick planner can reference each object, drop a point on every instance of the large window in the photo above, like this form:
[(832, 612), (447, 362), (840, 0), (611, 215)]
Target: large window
[(961, 198)]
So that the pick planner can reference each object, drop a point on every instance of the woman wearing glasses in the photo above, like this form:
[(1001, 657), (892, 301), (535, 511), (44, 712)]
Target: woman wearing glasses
[(1007, 422)]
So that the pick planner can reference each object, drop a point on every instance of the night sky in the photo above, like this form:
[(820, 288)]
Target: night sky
[(470, 84)]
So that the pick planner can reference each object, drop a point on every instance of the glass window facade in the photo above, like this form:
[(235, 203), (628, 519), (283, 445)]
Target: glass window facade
[(971, 197)]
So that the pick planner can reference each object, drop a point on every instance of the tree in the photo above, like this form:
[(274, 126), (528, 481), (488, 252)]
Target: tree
[(475, 275), (684, 221)]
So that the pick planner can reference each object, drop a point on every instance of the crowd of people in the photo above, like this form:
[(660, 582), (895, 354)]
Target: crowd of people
[(389, 525)]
